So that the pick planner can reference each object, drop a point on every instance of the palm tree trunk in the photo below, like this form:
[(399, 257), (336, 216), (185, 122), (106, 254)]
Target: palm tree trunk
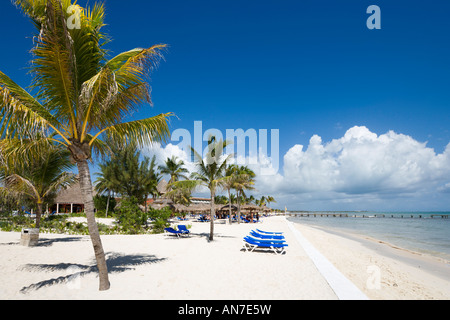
[(86, 189), (239, 206), (229, 206), (38, 215), (107, 203), (213, 213)]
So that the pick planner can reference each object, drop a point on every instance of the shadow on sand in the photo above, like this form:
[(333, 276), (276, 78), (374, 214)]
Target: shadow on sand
[(116, 263), (46, 242)]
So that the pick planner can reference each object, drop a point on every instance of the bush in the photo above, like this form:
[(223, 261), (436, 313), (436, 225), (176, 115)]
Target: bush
[(16, 224), (100, 203), (160, 219), (130, 217)]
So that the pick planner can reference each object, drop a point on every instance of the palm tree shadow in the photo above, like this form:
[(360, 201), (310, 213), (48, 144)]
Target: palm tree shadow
[(116, 263), (216, 235), (46, 242)]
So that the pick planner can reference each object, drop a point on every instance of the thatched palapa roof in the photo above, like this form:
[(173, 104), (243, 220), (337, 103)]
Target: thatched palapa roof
[(71, 195), (162, 187)]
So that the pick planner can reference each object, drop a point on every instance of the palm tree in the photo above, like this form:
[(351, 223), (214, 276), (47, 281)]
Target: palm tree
[(228, 182), (270, 199), (245, 179), (174, 169), (38, 178), (150, 178), (81, 96), (262, 201), (209, 173), (104, 182)]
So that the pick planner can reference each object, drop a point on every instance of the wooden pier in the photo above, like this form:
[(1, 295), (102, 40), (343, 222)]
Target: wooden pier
[(364, 215), (443, 216)]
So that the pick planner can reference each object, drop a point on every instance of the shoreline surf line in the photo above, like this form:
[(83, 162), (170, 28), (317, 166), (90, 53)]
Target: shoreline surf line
[(433, 265)]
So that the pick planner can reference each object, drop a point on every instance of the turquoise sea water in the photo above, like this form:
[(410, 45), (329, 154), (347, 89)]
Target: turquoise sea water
[(425, 235)]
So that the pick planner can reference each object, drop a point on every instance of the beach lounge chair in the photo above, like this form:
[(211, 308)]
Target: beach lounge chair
[(266, 236), (251, 244), (268, 232), (183, 229), (173, 231)]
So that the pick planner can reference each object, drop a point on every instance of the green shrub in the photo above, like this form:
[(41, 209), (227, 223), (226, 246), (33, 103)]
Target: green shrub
[(160, 219), (130, 217), (17, 223), (100, 203)]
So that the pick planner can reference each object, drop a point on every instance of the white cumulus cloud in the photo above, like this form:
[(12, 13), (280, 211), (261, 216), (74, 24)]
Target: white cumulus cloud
[(361, 167), (357, 171), (362, 162)]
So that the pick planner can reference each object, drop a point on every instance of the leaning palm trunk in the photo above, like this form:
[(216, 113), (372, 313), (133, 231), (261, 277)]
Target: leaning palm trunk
[(86, 189), (107, 204)]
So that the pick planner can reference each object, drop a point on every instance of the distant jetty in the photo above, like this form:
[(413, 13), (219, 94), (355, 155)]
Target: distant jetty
[(360, 214)]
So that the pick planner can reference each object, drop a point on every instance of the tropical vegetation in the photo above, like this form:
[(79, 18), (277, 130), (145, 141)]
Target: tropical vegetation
[(38, 179), (75, 112), (79, 95)]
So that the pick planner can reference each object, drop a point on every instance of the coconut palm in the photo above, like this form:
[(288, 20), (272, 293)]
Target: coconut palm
[(209, 173), (81, 96), (38, 178), (174, 168), (245, 179), (270, 199), (261, 202), (151, 178), (228, 182)]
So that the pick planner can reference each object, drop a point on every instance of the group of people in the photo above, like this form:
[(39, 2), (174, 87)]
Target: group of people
[(245, 218)]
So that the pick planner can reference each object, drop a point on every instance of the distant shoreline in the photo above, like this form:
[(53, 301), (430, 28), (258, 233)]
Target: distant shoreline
[(401, 269), (433, 264)]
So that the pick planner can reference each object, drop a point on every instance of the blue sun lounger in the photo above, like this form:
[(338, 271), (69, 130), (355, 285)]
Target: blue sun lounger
[(266, 236), (267, 232), (183, 229), (173, 231), (251, 244)]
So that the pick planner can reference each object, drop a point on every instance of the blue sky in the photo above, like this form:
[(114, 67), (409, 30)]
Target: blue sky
[(304, 67)]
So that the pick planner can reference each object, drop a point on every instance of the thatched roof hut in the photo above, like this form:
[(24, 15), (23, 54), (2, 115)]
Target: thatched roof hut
[(250, 208), (162, 187), (70, 200), (70, 195), (227, 208), (161, 203), (193, 208)]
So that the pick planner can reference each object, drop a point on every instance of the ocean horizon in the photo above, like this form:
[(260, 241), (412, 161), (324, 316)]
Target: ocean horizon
[(416, 231)]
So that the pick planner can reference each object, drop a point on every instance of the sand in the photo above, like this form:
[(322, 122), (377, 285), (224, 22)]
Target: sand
[(165, 267), (382, 271)]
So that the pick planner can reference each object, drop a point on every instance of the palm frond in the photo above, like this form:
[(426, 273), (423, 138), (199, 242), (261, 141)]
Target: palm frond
[(63, 181), (54, 67), (21, 114), (142, 132), (17, 150), (17, 184), (189, 185), (136, 64), (34, 9)]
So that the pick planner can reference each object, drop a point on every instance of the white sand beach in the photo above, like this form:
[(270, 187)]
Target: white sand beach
[(166, 267)]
